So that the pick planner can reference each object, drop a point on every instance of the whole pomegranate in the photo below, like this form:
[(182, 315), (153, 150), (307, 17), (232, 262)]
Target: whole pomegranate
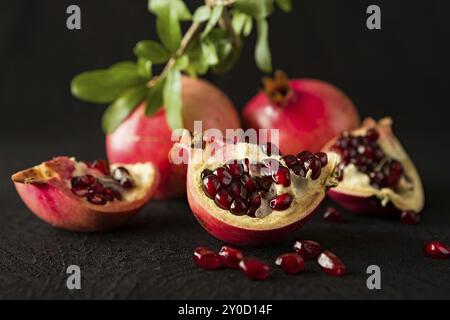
[(148, 139), (307, 112)]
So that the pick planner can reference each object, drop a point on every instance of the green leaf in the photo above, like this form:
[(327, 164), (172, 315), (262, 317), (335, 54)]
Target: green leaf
[(209, 52), (197, 62), (247, 27), (172, 99), (155, 98), (215, 17), (238, 21), (177, 6), (168, 28), (202, 14), (182, 10), (105, 85), (258, 9), (262, 50), (285, 5), (145, 68), (122, 107), (151, 50), (182, 62)]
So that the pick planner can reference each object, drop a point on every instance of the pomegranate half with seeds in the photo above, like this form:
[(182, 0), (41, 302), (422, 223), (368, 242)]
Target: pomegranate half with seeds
[(307, 112), (378, 176), (242, 196), (84, 196)]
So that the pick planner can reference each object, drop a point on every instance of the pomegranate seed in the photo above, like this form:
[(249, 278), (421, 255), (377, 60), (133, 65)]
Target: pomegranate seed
[(211, 185), (237, 189), (331, 264), (97, 189), (409, 217), (122, 175), (333, 215), (308, 249), (254, 199), (304, 156), (80, 191), (230, 257), (251, 212), (206, 258), (223, 199), (372, 134), (249, 183), (290, 160), (83, 181), (322, 156), (205, 173), (102, 166), (282, 176), (96, 198), (254, 268), (109, 194), (238, 207), (224, 176), (299, 169), (436, 250), (291, 263), (236, 169), (265, 183), (281, 202), (315, 166)]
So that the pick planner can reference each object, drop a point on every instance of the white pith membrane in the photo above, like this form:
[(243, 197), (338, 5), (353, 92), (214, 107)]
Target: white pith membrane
[(143, 175), (408, 196), (307, 194)]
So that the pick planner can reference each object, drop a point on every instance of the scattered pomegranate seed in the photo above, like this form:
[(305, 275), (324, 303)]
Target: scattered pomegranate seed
[(436, 250), (230, 257), (308, 249), (206, 258), (331, 264), (254, 268), (291, 263), (281, 202), (333, 215), (410, 217)]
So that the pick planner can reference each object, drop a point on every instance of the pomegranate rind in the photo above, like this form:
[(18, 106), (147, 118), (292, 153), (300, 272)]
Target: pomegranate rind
[(245, 230), (356, 194), (45, 190)]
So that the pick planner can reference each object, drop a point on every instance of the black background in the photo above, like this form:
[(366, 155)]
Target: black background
[(401, 70)]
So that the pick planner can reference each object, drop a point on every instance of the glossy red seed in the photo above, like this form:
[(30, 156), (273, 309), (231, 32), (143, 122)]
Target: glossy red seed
[(205, 173), (333, 215), (238, 207), (372, 134), (409, 217), (97, 199), (281, 202), (304, 155), (224, 176), (223, 199), (436, 250), (315, 166), (237, 189), (102, 166), (299, 169), (230, 257), (123, 176), (254, 268), (308, 249), (249, 183), (97, 189), (254, 199), (207, 259), (83, 181), (236, 169), (323, 157), (290, 160), (265, 183), (331, 264), (251, 212), (211, 185), (80, 191), (291, 263), (282, 176)]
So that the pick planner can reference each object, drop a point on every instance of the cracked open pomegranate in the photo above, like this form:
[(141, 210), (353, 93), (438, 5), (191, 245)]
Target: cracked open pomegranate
[(242, 196), (307, 112), (142, 138), (84, 196), (378, 175)]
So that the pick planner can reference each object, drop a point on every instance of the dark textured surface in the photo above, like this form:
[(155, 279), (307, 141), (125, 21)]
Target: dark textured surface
[(401, 70)]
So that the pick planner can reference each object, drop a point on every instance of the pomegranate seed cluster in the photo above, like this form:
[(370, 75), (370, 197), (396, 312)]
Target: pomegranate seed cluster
[(102, 190), (256, 269), (240, 186), (368, 157)]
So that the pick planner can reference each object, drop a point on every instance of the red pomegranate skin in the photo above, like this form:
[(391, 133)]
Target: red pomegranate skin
[(148, 139), (239, 236), (316, 112)]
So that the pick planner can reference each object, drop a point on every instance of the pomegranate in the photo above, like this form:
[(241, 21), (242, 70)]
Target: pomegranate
[(83, 196), (148, 139), (291, 263), (378, 175), (206, 258), (331, 264), (307, 112), (436, 250), (242, 196), (308, 249), (254, 269)]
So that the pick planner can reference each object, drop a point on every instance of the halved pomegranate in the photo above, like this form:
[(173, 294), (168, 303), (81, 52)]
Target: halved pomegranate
[(378, 175), (84, 196), (242, 196)]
